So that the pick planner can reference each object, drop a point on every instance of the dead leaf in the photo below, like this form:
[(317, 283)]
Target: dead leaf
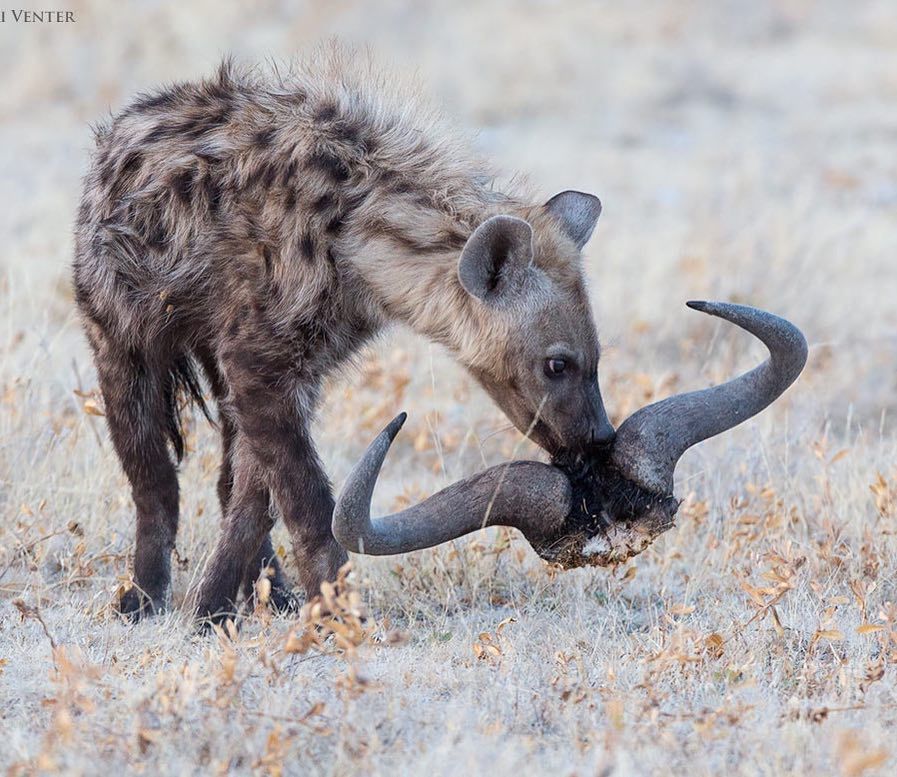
[(92, 407)]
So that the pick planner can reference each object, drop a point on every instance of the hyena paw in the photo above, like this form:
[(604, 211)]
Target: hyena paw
[(210, 614), (283, 601), (273, 593), (135, 604)]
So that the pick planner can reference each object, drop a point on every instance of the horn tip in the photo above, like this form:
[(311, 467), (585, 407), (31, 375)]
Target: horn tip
[(395, 425), (699, 304)]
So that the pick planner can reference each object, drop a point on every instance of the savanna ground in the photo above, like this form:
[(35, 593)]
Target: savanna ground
[(743, 150)]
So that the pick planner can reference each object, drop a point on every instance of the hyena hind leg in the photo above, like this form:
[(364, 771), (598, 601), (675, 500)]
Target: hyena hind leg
[(138, 397)]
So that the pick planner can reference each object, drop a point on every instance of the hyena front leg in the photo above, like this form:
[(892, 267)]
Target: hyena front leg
[(266, 412), (280, 443), (265, 560), (225, 485), (302, 491), (134, 392), (282, 599), (246, 523)]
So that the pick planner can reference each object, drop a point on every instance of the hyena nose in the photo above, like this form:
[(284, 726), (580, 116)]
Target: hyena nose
[(602, 433)]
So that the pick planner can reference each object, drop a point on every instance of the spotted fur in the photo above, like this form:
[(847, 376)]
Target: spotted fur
[(259, 228)]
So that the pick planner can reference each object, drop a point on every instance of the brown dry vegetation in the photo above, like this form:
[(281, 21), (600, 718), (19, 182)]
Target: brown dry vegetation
[(743, 151)]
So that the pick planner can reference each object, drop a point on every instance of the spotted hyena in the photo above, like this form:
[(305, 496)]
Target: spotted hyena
[(259, 229)]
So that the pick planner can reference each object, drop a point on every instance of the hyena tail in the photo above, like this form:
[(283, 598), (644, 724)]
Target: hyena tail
[(182, 388)]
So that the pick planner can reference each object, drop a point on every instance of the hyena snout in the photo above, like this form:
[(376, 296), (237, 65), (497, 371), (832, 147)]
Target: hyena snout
[(600, 431), (582, 425), (567, 419)]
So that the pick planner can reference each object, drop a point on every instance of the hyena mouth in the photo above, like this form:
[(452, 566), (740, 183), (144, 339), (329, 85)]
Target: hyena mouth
[(595, 510)]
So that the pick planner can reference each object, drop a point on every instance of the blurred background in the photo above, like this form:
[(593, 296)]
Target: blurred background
[(744, 150)]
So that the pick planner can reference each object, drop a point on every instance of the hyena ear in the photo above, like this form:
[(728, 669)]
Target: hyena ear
[(495, 257), (577, 213)]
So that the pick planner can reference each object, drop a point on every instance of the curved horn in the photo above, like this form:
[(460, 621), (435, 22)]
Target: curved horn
[(651, 441), (527, 495)]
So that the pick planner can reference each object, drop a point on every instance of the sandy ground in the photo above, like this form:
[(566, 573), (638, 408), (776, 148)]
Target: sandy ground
[(743, 150)]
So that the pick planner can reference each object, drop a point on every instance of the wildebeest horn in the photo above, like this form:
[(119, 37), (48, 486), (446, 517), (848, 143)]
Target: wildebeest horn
[(652, 440), (528, 495), (536, 498)]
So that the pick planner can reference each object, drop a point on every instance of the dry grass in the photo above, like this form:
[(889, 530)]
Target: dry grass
[(745, 153)]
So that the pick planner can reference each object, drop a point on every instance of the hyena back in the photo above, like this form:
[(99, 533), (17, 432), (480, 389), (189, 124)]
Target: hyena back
[(258, 230)]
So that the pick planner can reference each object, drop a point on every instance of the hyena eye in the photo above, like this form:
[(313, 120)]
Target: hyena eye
[(555, 367)]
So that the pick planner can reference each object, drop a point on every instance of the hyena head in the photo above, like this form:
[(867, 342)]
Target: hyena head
[(535, 348)]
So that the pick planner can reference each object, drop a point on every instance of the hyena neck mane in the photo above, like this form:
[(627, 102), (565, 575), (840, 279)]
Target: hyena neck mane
[(409, 257)]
